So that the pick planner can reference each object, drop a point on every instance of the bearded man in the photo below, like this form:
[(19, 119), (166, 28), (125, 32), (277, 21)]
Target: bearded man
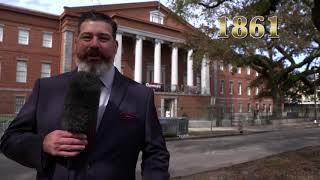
[(126, 122)]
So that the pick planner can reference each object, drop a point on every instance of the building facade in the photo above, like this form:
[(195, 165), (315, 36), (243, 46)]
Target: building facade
[(35, 44)]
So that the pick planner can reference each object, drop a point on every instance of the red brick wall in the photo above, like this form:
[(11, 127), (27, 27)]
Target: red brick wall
[(194, 107)]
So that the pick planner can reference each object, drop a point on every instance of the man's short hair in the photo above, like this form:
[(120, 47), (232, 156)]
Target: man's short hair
[(97, 16)]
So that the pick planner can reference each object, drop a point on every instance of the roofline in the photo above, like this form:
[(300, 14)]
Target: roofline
[(115, 16), (116, 6), (120, 6)]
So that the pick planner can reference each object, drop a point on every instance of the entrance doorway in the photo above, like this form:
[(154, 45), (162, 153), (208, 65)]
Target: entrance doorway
[(168, 107)]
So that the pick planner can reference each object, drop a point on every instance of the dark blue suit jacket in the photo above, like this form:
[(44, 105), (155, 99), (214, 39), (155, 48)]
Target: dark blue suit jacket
[(129, 125)]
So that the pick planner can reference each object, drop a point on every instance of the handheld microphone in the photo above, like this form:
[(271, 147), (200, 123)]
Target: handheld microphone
[(81, 102)]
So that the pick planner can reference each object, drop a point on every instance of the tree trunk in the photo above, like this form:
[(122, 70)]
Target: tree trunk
[(277, 106)]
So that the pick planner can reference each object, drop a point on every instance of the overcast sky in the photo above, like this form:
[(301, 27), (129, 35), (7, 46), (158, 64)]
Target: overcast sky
[(56, 6)]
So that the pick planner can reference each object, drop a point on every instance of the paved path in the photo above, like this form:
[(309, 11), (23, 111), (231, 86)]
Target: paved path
[(198, 155)]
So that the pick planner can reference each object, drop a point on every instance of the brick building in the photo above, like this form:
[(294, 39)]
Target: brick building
[(36, 44)]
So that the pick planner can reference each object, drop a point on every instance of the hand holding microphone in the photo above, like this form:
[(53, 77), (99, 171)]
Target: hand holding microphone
[(78, 117), (64, 143)]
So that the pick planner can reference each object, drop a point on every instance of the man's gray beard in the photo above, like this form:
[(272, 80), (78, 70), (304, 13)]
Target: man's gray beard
[(98, 69)]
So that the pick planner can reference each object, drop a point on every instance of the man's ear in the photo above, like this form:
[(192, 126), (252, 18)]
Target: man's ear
[(116, 46)]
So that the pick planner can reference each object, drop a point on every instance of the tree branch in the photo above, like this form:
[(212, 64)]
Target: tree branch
[(211, 5)]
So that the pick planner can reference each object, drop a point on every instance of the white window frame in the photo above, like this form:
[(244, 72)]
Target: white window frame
[(248, 70), (222, 86), (249, 107), (231, 87), (264, 108), (21, 71), (239, 70), (248, 89), (23, 36), (239, 88), (150, 74), (257, 91), (221, 67), (270, 108), (231, 108), (45, 70), (0, 69), (20, 100), (156, 17), (47, 39), (1, 32), (230, 67), (240, 107)]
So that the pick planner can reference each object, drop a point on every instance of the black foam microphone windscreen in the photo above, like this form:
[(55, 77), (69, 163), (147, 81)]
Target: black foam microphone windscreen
[(81, 102)]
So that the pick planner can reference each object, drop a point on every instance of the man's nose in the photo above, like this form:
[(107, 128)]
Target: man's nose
[(94, 42)]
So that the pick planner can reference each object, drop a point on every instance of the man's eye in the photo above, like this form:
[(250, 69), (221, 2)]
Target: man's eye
[(86, 38), (104, 39)]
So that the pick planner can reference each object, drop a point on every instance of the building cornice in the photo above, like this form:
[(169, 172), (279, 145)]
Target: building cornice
[(149, 34)]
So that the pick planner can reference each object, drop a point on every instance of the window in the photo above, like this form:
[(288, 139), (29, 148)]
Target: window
[(264, 108), (221, 67), (257, 107), (257, 91), (249, 107), (20, 100), (231, 108), (21, 75), (239, 88), (1, 32), (230, 68), (230, 87), (156, 17), (47, 39), (248, 89), (257, 74), (240, 107), (239, 70), (270, 108), (222, 87), (0, 69), (248, 70), (150, 74), (23, 37), (45, 70)]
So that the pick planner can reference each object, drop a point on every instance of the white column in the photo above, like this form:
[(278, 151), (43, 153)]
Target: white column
[(117, 58), (205, 77), (174, 68), (138, 60), (190, 68), (157, 61)]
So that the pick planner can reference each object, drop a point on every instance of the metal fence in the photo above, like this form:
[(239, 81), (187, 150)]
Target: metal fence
[(216, 116), (225, 115), (5, 120)]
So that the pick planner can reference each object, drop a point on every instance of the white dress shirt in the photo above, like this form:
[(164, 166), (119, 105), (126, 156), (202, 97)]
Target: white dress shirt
[(107, 79)]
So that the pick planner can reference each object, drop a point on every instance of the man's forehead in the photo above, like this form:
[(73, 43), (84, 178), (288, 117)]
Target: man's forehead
[(87, 23)]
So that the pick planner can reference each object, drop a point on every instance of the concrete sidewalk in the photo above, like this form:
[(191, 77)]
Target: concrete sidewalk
[(192, 155)]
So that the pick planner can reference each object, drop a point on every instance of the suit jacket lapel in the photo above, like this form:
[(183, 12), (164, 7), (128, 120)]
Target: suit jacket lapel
[(119, 88)]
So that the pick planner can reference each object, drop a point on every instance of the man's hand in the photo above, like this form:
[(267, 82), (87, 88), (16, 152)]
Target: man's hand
[(64, 143)]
